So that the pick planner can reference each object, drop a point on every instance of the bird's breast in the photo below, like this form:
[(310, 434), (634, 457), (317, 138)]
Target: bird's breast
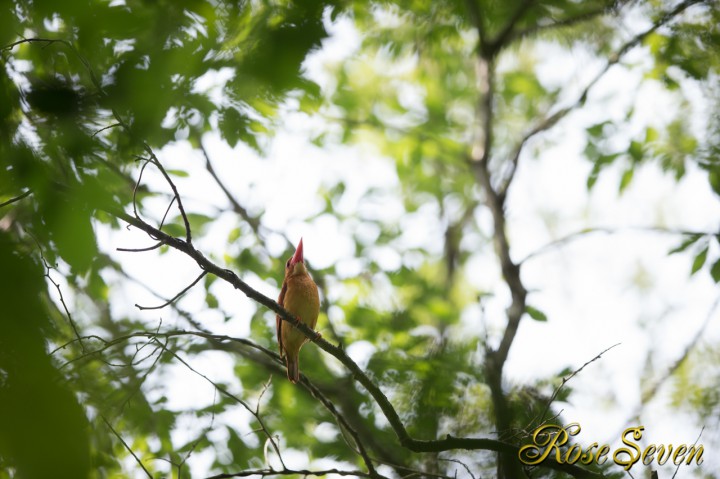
[(302, 299)]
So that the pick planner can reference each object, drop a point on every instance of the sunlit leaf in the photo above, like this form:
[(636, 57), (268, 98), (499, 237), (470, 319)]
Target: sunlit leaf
[(699, 260), (535, 313)]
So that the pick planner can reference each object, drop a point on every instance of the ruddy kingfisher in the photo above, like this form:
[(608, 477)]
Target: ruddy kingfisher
[(299, 295)]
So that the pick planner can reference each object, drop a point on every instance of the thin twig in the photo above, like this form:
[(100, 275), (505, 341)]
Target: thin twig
[(17, 198), (227, 393), (476, 18), (140, 250), (502, 39), (137, 459), (266, 386), (462, 464), (565, 380), (201, 437), (31, 40), (141, 380), (343, 424), (106, 128), (48, 268), (188, 234), (564, 22), (137, 185), (167, 210), (201, 276), (237, 207), (650, 392), (554, 244), (693, 445), (551, 120), (289, 472)]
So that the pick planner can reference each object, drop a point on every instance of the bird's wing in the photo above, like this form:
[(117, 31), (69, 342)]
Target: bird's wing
[(278, 320)]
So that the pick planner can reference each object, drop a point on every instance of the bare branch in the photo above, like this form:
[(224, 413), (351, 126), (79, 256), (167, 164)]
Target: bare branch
[(201, 437), (34, 40), (140, 250), (141, 379), (558, 243), (551, 120), (156, 162), (227, 393), (48, 268), (17, 198), (137, 459), (462, 464), (106, 128), (237, 207), (505, 35), (565, 380), (290, 472), (137, 185), (202, 275), (694, 443), (477, 20), (344, 425), (167, 210), (565, 22), (649, 393)]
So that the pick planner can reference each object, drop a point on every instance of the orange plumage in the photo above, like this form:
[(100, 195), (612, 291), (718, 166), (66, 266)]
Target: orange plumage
[(299, 295)]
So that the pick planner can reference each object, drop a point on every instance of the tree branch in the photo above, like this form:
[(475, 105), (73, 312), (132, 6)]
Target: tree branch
[(565, 22), (416, 445), (551, 120), (137, 459), (170, 301), (607, 230), (502, 39), (156, 162), (17, 198), (448, 443), (649, 393), (565, 380), (290, 472), (344, 424), (237, 207), (477, 20)]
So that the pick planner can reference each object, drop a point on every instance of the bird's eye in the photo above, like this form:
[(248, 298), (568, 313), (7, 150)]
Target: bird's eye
[(287, 263)]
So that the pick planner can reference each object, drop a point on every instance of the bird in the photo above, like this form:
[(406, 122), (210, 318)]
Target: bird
[(299, 295)]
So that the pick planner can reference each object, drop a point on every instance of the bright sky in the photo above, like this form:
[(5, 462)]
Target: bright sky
[(598, 290)]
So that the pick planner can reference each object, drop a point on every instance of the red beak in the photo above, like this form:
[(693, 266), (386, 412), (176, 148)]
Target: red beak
[(298, 256)]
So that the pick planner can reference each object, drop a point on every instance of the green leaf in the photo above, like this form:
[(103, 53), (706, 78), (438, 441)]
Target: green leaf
[(231, 125), (636, 151), (699, 260), (690, 240), (715, 271), (597, 130), (178, 173), (626, 179), (211, 300), (174, 229), (535, 314), (714, 178)]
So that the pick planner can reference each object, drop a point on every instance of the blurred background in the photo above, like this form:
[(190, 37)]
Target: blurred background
[(538, 178)]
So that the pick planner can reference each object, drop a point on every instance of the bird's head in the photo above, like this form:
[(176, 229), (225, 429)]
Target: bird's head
[(295, 265)]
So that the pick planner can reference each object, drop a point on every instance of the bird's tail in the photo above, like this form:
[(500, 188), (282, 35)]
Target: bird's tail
[(293, 371)]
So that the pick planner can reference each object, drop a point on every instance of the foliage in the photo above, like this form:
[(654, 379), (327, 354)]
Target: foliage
[(94, 93)]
